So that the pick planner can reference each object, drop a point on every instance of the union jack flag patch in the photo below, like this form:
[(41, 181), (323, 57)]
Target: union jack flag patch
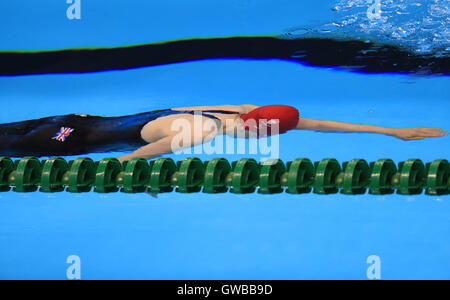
[(62, 134)]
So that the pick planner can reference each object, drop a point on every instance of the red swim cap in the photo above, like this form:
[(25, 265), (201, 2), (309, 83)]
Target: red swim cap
[(286, 116)]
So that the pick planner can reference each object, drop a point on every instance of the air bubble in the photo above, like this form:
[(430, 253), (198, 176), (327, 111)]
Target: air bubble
[(419, 25)]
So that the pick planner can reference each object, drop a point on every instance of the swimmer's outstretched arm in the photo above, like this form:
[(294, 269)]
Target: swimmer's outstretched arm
[(406, 134), (153, 150), (170, 144)]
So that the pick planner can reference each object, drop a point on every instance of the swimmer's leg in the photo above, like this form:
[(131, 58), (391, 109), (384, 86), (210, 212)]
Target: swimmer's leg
[(12, 133), (40, 137)]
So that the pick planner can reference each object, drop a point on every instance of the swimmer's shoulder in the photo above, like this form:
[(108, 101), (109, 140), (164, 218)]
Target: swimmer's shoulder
[(249, 107), (242, 109), (85, 116)]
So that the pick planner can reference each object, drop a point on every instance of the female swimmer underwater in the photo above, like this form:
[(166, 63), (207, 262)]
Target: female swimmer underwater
[(150, 134)]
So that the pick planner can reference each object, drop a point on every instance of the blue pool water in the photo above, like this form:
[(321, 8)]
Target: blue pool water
[(225, 236)]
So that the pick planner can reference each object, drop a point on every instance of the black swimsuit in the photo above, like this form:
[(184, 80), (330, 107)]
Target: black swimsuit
[(76, 134)]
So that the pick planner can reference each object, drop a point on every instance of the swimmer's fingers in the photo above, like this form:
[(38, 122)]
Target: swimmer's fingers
[(153, 194), (433, 132), (420, 137)]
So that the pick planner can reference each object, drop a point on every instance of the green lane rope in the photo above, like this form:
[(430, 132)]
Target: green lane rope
[(191, 175)]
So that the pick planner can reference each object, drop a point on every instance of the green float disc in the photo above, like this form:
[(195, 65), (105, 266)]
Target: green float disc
[(6, 168), (52, 175), (244, 176), (136, 176), (300, 176), (81, 175), (162, 171), (412, 177), (327, 171), (105, 176), (189, 177), (215, 180), (270, 175), (438, 177), (356, 177), (382, 174), (27, 175)]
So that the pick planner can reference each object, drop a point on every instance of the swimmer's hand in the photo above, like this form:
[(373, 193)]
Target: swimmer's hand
[(418, 133), (152, 194)]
